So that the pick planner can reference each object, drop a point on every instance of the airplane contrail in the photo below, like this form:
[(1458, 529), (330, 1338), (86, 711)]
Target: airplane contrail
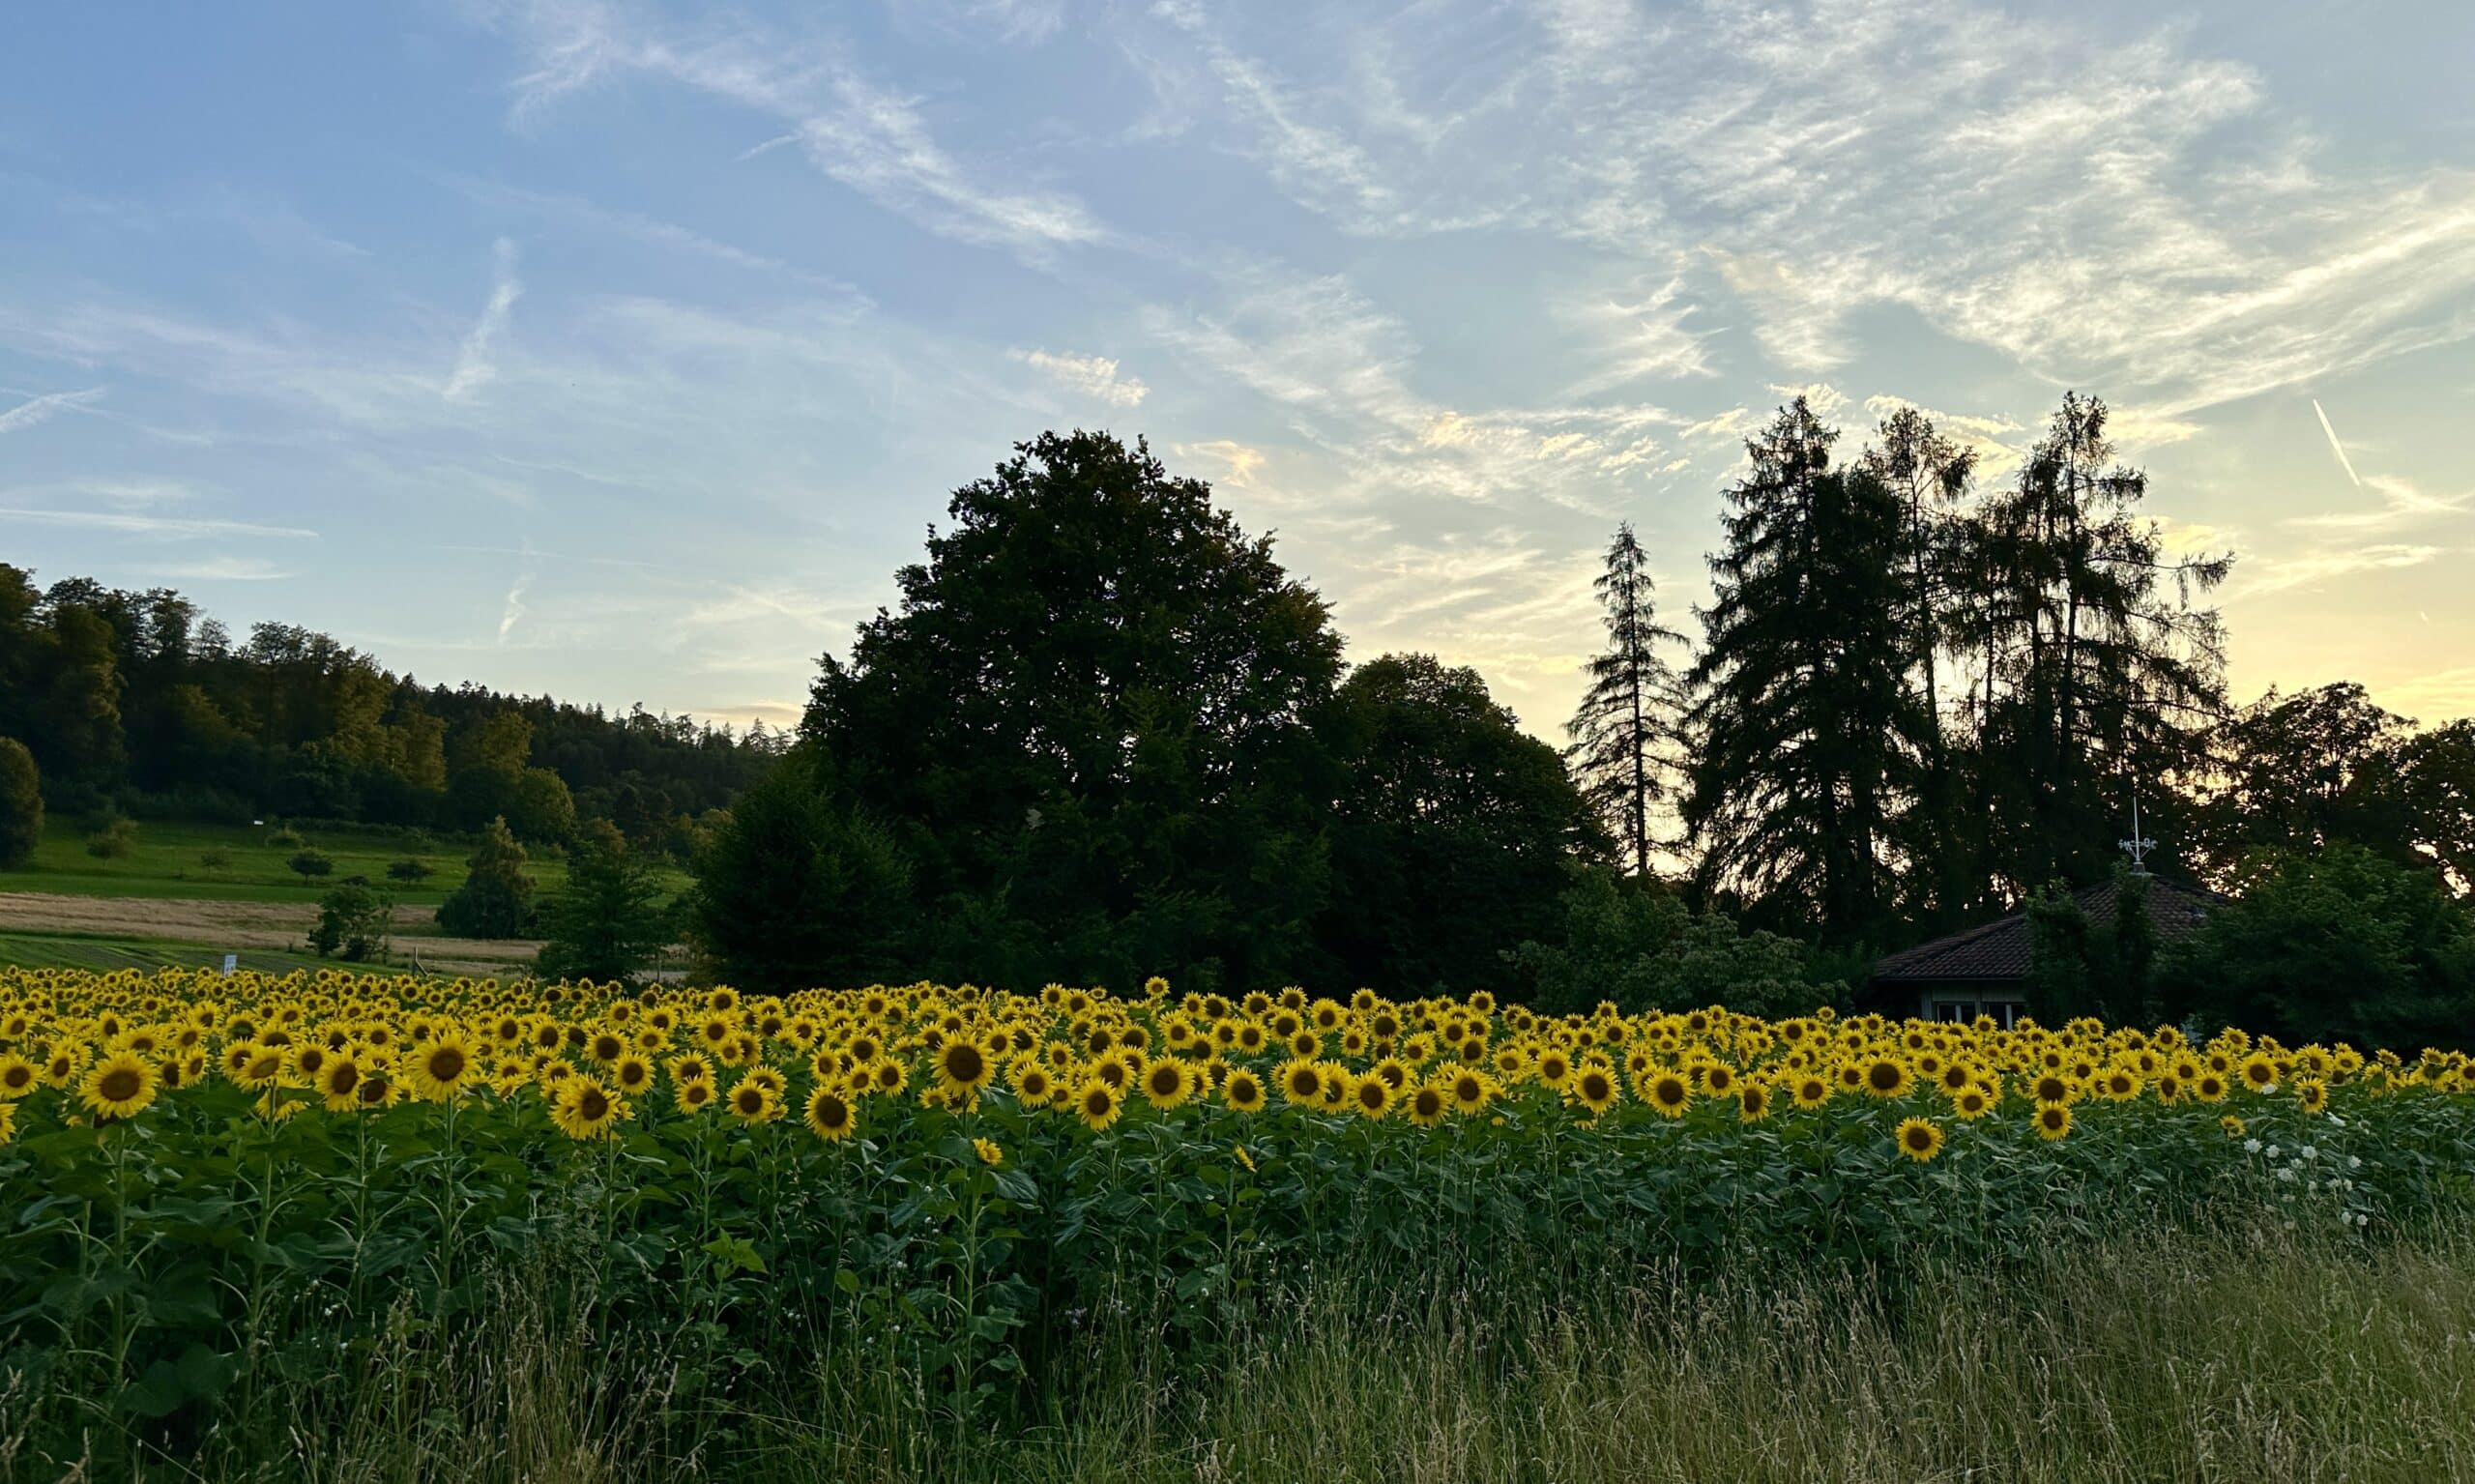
[(2344, 462)]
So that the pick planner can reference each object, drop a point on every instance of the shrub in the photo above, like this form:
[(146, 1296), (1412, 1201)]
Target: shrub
[(214, 857), (21, 803), (113, 839), (408, 870), (284, 837), (496, 898), (310, 862), (352, 925)]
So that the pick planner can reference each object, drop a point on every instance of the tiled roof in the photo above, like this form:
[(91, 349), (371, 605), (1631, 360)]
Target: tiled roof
[(1998, 950)]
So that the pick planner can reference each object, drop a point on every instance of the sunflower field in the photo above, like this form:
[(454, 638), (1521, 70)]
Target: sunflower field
[(212, 1187)]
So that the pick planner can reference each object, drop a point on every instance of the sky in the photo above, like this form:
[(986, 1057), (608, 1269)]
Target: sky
[(621, 352)]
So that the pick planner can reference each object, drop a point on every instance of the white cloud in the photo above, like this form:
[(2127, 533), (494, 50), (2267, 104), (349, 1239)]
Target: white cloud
[(1095, 376), (475, 363), (152, 527)]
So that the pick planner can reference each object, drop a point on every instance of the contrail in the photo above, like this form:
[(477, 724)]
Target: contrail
[(2344, 462)]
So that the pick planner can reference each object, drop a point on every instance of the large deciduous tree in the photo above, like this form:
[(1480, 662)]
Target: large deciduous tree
[(1089, 718)]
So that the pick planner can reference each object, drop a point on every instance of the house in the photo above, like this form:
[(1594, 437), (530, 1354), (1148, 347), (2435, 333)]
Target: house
[(1984, 970)]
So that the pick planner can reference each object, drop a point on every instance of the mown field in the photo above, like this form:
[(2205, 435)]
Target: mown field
[(319, 1226), (184, 894)]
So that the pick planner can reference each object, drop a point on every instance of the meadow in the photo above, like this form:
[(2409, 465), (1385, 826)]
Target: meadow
[(319, 1226)]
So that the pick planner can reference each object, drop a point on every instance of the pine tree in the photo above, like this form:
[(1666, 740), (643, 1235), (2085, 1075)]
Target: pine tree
[(1807, 727), (1623, 732)]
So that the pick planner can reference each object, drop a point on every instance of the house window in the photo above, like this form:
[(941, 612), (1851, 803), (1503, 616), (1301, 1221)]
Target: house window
[(1951, 1011)]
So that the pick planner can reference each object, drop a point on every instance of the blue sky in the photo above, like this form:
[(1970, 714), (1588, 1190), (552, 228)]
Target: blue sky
[(621, 352)]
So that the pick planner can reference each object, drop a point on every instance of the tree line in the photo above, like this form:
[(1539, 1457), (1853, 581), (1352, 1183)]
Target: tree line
[(138, 703)]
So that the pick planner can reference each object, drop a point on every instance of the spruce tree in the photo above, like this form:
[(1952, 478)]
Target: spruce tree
[(1624, 729), (608, 922), (1807, 729)]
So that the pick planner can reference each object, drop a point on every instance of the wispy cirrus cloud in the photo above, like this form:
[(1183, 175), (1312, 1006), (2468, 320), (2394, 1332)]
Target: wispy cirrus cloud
[(35, 410), (476, 360), (174, 528)]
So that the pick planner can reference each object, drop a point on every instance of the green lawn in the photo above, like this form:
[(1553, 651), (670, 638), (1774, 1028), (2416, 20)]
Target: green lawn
[(170, 860), (75, 950)]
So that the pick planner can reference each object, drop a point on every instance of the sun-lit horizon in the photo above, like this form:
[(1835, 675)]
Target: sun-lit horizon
[(622, 354)]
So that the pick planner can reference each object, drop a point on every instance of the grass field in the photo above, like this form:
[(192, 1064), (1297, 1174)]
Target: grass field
[(184, 894)]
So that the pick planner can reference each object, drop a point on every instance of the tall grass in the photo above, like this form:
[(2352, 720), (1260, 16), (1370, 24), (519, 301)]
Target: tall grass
[(2237, 1352)]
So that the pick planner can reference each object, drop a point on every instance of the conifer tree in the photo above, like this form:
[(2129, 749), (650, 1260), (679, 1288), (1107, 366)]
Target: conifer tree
[(1624, 729), (1807, 728)]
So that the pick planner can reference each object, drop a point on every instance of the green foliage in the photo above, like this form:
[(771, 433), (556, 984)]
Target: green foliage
[(2329, 945), (608, 922), (1452, 830), (310, 862), (496, 898), (215, 858), (798, 888), (21, 803), (1088, 725), (409, 870), (353, 923), (114, 837), (2061, 957), (1636, 943)]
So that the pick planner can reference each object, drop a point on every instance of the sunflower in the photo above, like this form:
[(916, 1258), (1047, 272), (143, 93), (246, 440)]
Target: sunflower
[(2315, 1095), (252, 1064), (753, 1102), (2259, 1073), (1888, 1077), (1428, 1104), (1469, 1091), (2053, 1119), (1812, 1091), (17, 1076), (1244, 1090), (119, 1086), (1097, 1104), (631, 1074), (693, 1096), (1301, 1082), (1164, 1084), (1595, 1088), (1670, 1093), (1920, 1139), (443, 1066), (339, 1084), (830, 1115), (2209, 1087), (1371, 1097), (1971, 1103), (585, 1109), (2232, 1127), (1753, 1103)]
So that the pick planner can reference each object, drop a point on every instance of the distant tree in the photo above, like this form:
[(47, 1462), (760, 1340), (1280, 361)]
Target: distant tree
[(352, 925), (607, 922), (2304, 772), (2436, 772), (2333, 945), (1089, 718), (1451, 829), (1624, 732), (496, 898), (1633, 943), (797, 890), (310, 862), (409, 870), (21, 804), (115, 837), (1807, 725)]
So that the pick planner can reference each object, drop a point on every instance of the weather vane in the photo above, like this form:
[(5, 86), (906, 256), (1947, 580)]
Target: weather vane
[(2139, 845)]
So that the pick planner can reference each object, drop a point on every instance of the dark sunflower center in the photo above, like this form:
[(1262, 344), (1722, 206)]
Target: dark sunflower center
[(446, 1063), (120, 1084)]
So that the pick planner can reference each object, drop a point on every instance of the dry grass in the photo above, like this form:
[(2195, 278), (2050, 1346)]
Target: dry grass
[(232, 925)]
